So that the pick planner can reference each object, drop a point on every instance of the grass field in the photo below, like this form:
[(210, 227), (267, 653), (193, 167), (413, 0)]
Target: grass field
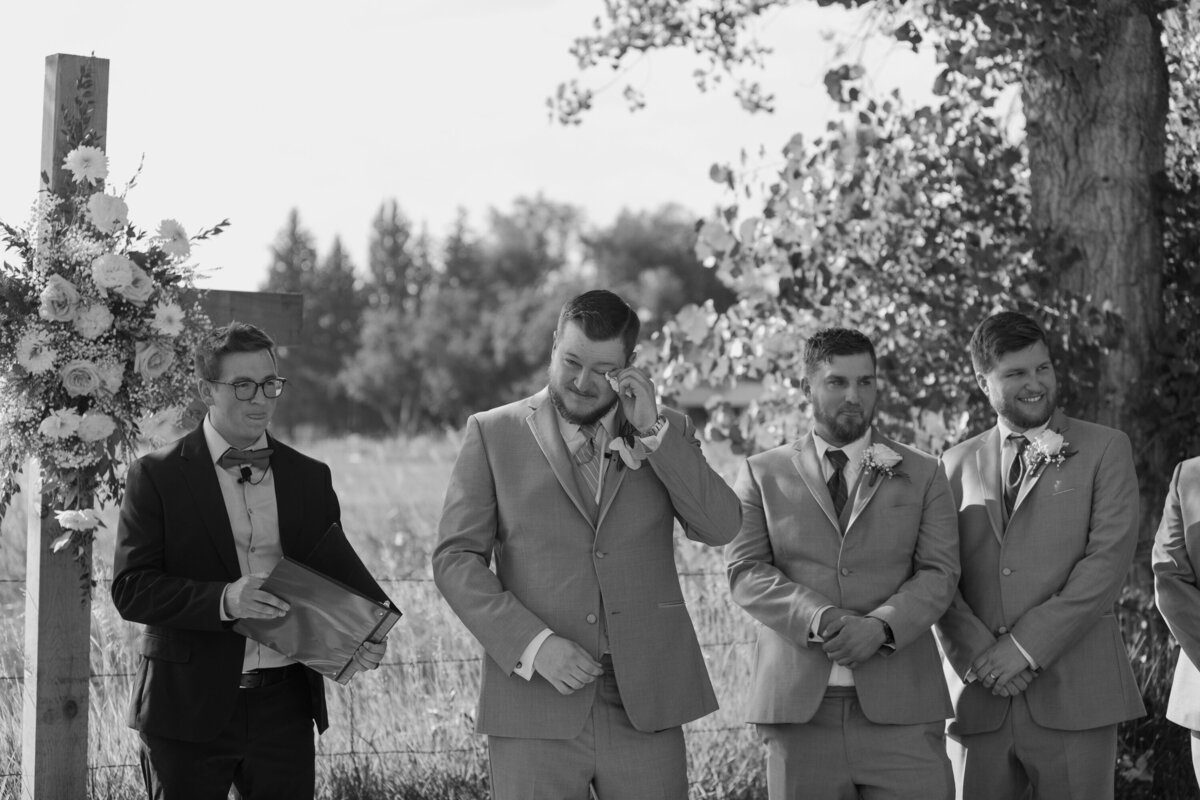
[(404, 731)]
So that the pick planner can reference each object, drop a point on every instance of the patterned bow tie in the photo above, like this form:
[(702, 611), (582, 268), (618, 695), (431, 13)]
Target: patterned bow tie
[(249, 458)]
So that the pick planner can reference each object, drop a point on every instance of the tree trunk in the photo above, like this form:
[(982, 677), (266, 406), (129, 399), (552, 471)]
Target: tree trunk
[(1096, 138)]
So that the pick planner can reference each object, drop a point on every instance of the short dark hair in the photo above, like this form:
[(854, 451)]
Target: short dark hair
[(826, 343), (236, 337), (603, 316), (1002, 333)]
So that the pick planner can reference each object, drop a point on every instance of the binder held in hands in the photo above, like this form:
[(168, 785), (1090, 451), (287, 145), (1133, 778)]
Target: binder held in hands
[(334, 609)]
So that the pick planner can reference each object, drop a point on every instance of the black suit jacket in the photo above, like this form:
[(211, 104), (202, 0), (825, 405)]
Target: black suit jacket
[(175, 553)]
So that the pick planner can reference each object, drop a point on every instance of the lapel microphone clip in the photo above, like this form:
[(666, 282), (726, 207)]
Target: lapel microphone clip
[(246, 474)]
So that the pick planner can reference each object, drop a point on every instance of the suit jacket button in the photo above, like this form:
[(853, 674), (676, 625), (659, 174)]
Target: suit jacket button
[(845, 570), (591, 618), (1006, 571), (1001, 630), (599, 554)]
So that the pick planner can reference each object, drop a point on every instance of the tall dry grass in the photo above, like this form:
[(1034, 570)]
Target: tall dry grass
[(405, 730)]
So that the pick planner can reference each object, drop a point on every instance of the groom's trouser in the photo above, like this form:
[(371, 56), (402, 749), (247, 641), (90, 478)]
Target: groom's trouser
[(841, 755), (1058, 765), (619, 761)]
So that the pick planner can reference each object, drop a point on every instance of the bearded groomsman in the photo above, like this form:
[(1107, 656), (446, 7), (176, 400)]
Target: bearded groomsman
[(847, 555), (592, 663), (1047, 515), (1176, 562)]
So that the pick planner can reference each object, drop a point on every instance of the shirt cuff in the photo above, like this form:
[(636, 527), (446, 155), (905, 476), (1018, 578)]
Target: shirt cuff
[(814, 633), (1032, 664), (524, 667), (225, 616)]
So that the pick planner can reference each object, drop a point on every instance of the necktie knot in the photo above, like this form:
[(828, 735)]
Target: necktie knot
[(248, 458), (838, 457), (587, 451)]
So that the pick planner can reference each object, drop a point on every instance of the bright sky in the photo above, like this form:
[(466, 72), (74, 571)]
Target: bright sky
[(247, 109)]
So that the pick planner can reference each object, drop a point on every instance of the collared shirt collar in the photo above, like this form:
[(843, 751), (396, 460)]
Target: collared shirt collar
[(854, 451), (1007, 430), (217, 444), (571, 433)]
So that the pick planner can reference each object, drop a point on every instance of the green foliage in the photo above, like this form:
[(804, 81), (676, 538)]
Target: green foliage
[(333, 308)]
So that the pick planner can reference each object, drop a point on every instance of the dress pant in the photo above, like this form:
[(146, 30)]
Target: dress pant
[(1022, 760), (841, 755), (266, 751), (609, 757)]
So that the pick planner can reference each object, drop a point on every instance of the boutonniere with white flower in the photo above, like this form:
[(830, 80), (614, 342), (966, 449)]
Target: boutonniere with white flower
[(1048, 447), (631, 449), (879, 459)]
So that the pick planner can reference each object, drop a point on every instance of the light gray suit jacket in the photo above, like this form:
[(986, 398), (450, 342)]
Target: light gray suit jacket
[(1176, 562), (513, 502), (1050, 578), (898, 561)]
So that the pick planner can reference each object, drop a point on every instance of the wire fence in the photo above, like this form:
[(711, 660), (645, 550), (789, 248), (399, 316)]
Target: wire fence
[(418, 706)]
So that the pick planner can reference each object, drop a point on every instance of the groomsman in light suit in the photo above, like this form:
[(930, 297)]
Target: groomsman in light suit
[(847, 555), (1047, 515), (592, 663), (1176, 562)]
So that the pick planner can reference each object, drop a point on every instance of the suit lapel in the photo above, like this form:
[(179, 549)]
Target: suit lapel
[(1058, 424), (543, 422), (201, 478), (805, 460), (614, 474), (987, 465), (289, 500), (864, 489)]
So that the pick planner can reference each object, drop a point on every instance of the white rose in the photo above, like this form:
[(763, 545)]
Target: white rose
[(93, 321), (58, 300), (81, 519), (80, 377), (1049, 442), (162, 426), (884, 456), (108, 214), (60, 424), (139, 289), (152, 359), (112, 271)]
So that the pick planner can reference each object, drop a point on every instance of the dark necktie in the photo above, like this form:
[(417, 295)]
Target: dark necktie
[(837, 481), (1016, 471), (245, 458)]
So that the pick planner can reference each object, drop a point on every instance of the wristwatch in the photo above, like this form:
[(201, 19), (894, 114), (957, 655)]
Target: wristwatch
[(888, 636), (653, 429)]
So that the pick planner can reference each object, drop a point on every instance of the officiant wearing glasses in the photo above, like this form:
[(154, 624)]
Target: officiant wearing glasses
[(204, 520), (592, 663)]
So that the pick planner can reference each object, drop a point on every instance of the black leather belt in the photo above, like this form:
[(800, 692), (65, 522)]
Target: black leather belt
[(270, 676)]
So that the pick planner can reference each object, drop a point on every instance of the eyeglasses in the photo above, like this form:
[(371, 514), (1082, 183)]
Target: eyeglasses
[(248, 390)]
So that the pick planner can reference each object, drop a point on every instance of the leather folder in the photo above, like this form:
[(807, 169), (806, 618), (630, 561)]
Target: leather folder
[(336, 605)]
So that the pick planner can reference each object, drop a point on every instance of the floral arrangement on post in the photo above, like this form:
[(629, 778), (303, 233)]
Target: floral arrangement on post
[(96, 321)]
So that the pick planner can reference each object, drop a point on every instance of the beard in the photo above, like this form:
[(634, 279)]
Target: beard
[(576, 418), (1024, 418), (844, 431)]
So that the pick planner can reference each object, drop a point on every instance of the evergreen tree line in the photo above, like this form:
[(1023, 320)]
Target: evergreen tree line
[(435, 329)]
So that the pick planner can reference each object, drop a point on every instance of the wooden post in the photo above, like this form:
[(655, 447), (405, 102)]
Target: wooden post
[(54, 737)]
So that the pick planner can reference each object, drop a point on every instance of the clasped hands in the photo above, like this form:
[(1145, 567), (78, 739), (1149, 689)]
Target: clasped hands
[(245, 599), (850, 638), (1002, 668)]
